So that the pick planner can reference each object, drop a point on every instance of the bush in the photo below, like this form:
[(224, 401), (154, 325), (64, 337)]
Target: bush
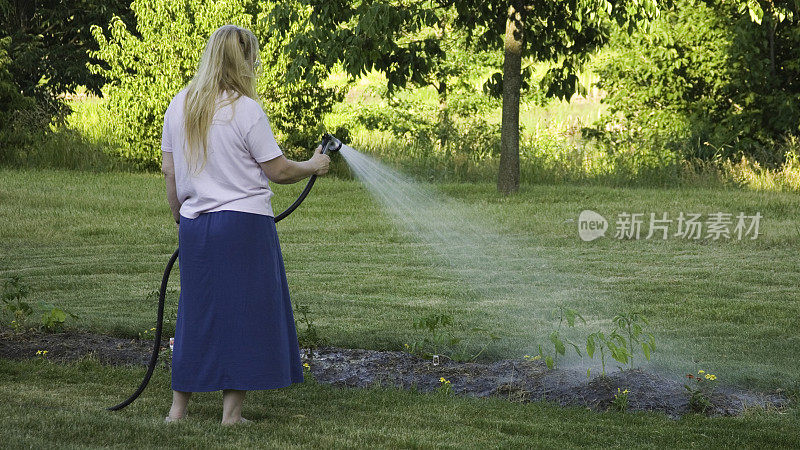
[(146, 68), (43, 55), (14, 126), (704, 84)]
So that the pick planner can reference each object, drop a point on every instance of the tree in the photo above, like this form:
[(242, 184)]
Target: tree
[(380, 35), (43, 54), (714, 80), (563, 33), (405, 41), (48, 44), (146, 67)]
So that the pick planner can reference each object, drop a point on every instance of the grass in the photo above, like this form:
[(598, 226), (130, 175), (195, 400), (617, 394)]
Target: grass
[(96, 243), (46, 405), (552, 149)]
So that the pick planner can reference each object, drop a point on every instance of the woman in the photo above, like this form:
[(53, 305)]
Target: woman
[(235, 329)]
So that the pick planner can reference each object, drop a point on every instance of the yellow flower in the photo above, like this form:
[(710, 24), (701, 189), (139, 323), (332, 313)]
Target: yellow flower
[(711, 377), (700, 372), (442, 380), (625, 391), (306, 365)]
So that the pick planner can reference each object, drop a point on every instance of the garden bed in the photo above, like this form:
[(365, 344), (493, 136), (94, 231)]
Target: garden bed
[(513, 379)]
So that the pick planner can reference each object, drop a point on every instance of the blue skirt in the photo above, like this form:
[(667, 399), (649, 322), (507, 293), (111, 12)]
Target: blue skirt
[(235, 327)]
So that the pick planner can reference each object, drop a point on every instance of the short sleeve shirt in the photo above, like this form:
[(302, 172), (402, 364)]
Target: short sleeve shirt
[(240, 137)]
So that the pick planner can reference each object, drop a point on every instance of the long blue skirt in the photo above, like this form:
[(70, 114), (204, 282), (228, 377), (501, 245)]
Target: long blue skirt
[(235, 327)]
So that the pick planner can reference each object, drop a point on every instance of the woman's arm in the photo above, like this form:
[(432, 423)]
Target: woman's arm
[(168, 168), (285, 171)]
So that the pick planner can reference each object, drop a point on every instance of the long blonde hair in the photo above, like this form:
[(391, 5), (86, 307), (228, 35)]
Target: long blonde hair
[(229, 63)]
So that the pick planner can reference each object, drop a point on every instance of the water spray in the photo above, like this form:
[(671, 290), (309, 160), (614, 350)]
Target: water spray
[(329, 144)]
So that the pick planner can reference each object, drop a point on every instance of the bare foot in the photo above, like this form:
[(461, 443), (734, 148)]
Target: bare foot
[(170, 419), (175, 416), (241, 420)]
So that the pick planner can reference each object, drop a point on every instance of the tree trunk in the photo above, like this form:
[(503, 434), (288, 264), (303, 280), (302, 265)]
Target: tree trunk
[(444, 116), (772, 26), (508, 177)]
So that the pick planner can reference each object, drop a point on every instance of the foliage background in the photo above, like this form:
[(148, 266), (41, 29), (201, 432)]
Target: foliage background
[(703, 84), (708, 94), (145, 71)]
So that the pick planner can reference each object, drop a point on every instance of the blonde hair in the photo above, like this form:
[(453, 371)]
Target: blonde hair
[(229, 63)]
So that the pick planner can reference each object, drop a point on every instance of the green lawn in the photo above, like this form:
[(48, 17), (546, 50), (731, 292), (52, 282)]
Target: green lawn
[(96, 244), (47, 405)]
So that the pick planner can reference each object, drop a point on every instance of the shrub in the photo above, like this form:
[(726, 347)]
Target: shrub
[(146, 67), (707, 82)]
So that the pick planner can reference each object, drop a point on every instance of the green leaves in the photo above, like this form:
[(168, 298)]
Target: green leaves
[(53, 318), (308, 337), (161, 55), (567, 316), (439, 339), (397, 39), (558, 343), (712, 80), (14, 292), (591, 345), (754, 9)]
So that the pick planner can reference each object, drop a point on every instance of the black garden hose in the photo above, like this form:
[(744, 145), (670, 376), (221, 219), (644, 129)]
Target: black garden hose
[(329, 144)]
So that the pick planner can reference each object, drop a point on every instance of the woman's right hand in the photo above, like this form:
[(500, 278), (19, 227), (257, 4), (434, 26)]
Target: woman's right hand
[(320, 162)]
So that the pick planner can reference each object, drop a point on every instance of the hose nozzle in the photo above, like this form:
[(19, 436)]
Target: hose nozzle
[(330, 143)]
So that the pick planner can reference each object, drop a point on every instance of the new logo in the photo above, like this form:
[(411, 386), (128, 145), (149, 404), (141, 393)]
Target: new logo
[(591, 225)]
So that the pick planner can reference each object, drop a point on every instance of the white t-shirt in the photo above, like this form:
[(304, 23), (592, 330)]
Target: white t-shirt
[(239, 138)]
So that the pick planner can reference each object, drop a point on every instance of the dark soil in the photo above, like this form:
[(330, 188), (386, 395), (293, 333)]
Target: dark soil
[(513, 379), (525, 381), (71, 345)]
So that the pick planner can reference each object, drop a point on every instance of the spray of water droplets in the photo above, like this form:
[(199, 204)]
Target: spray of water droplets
[(497, 267)]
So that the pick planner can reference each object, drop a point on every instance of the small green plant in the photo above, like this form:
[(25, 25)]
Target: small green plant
[(14, 293), (307, 373), (147, 334), (632, 326), (620, 402), (165, 358), (444, 387), (701, 387), (565, 316), (53, 318), (170, 307), (621, 343), (613, 343), (13, 298), (309, 336), (439, 339)]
